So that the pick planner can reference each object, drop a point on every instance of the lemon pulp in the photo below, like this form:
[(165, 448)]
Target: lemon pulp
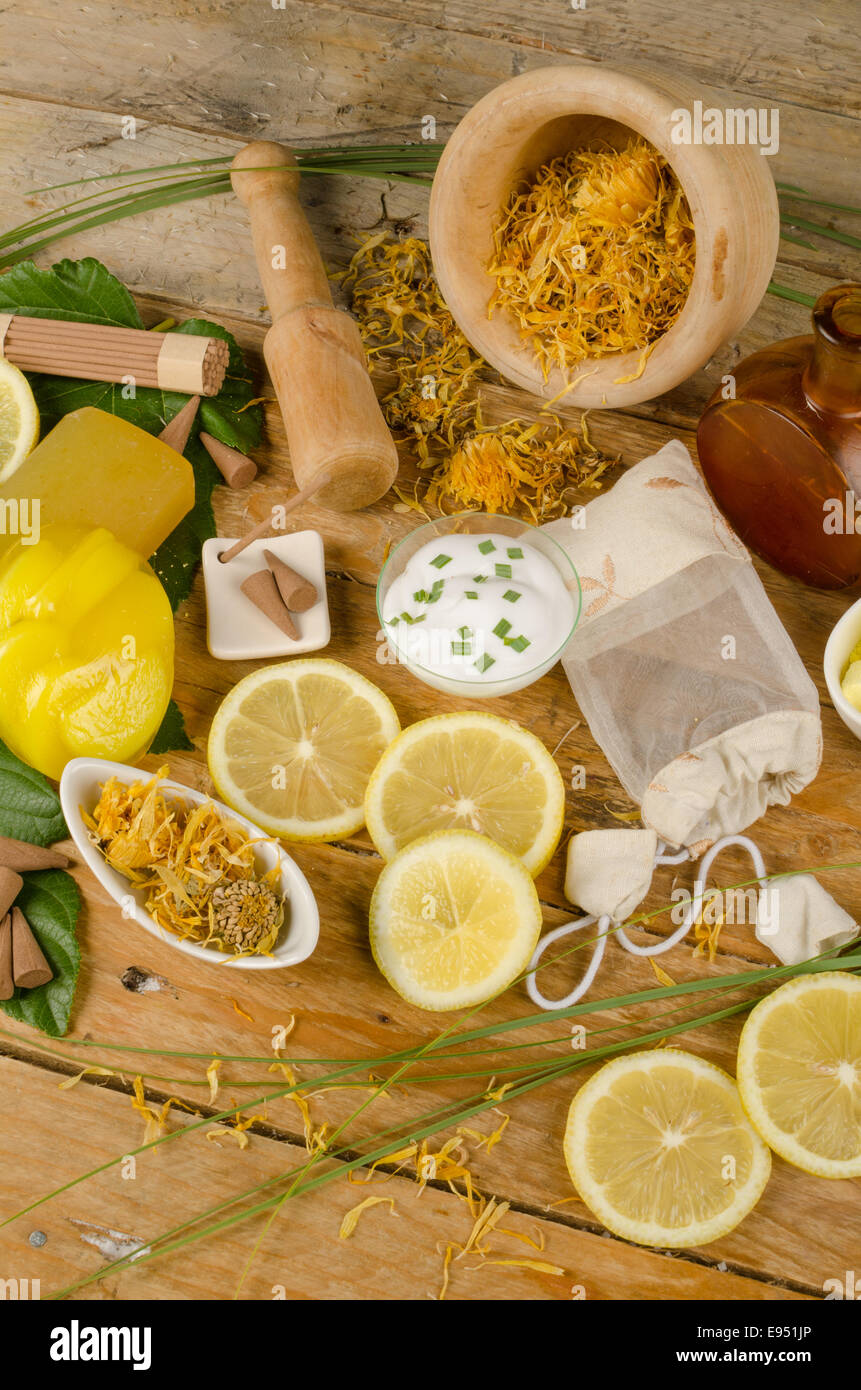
[(799, 1072), (454, 919), (293, 746), (659, 1147), (468, 771)]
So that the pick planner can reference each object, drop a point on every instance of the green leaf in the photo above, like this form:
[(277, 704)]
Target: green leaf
[(29, 806), (85, 290), (69, 290), (50, 901), (172, 737)]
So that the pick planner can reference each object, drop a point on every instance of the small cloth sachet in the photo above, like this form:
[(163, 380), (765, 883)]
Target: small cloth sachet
[(797, 919), (609, 871)]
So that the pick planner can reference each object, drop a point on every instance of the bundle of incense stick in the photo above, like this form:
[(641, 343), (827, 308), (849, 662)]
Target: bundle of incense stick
[(94, 352)]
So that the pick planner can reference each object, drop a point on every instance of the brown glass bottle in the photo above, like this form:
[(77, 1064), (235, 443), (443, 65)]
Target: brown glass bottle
[(782, 455)]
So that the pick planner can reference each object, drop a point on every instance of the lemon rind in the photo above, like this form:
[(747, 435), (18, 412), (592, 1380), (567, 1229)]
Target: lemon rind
[(292, 828), (777, 1139), (653, 1234), (385, 843), (491, 849)]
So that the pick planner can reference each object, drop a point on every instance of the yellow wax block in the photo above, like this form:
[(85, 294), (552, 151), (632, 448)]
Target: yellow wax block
[(94, 469)]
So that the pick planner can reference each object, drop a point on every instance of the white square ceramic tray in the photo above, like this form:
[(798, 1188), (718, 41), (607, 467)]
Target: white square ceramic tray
[(235, 629)]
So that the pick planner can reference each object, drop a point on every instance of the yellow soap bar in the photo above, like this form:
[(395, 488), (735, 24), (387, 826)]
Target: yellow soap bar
[(94, 469)]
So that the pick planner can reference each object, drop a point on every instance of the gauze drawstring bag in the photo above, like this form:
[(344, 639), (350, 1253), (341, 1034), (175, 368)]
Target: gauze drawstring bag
[(681, 667)]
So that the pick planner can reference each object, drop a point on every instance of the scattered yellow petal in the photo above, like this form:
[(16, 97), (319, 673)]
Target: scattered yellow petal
[(351, 1218), (492, 1213), (399, 1158), (488, 1141), (540, 1265), (520, 1235), (212, 1078), (239, 1010), (661, 974), (156, 1120), (449, 1251), (707, 934), (236, 1130), (71, 1081)]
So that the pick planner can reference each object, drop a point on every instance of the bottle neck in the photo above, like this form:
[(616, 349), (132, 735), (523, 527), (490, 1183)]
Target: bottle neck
[(832, 377)]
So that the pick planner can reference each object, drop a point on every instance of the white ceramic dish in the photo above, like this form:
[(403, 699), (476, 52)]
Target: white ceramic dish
[(235, 629), (845, 635), (80, 786)]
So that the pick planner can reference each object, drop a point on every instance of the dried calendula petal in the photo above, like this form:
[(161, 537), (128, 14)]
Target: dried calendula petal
[(351, 1218), (196, 869), (595, 255)]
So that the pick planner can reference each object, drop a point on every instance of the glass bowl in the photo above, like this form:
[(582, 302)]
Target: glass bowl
[(477, 523)]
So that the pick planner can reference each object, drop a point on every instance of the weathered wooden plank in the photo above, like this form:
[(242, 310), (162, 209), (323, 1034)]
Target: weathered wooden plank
[(794, 53), (45, 1135), (251, 69), (200, 256), (343, 1008), (200, 253), (394, 1254)]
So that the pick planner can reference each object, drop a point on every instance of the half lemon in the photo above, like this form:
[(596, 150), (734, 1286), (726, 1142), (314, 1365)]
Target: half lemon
[(799, 1072), (473, 772), (660, 1149), (292, 747), (19, 419), (454, 920)]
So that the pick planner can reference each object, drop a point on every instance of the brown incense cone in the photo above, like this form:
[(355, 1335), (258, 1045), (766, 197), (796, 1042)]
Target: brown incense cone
[(176, 432), (7, 984), (237, 469), (10, 886), (22, 856), (29, 966), (263, 592), (298, 594)]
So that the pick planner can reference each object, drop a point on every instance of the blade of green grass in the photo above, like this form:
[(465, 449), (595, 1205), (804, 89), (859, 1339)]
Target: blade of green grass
[(796, 296), (414, 1134)]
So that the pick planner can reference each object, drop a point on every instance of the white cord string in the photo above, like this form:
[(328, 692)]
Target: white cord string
[(605, 923), (580, 989)]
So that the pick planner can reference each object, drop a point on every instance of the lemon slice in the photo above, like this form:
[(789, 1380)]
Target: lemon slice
[(660, 1149), (468, 771), (19, 419), (454, 919), (799, 1073), (292, 747)]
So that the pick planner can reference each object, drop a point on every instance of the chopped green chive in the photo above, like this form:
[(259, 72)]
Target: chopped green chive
[(479, 578), (470, 593), (503, 571), (514, 552), (486, 546), (484, 662), (512, 595), (408, 618), (440, 560), (464, 632), (518, 644), (503, 627), (423, 596), (461, 648)]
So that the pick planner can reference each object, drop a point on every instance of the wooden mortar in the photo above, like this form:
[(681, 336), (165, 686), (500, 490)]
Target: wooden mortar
[(313, 351), (515, 129)]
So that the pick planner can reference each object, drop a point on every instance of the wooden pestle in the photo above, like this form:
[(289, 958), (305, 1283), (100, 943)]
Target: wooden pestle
[(313, 351)]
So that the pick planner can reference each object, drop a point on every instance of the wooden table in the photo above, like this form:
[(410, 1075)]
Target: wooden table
[(199, 79)]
